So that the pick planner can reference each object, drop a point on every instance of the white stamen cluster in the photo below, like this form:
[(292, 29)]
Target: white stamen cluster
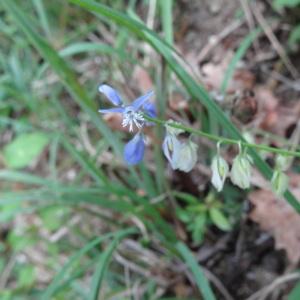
[(131, 117)]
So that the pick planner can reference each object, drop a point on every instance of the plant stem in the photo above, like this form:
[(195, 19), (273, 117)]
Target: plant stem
[(223, 139)]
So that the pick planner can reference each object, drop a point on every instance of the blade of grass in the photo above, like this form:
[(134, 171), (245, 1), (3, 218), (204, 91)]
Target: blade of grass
[(69, 79), (22, 177), (195, 90), (199, 276), (64, 71), (244, 46), (59, 277), (162, 95), (148, 181), (100, 270), (85, 163), (124, 201), (295, 293), (167, 24), (87, 47), (39, 5), (167, 20)]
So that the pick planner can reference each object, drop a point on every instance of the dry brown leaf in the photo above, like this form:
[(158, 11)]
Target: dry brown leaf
[(279, 219), (214, 73), (275, 116)]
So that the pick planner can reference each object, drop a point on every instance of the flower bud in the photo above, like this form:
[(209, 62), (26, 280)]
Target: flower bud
[(220, 171), (187, 156), (241, 171), (248, 136), (171, 147), (279, 182), (172, 130), (282, 162)]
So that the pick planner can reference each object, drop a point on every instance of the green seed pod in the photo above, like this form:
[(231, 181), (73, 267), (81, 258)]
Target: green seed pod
[(241, 171), (279, 182)]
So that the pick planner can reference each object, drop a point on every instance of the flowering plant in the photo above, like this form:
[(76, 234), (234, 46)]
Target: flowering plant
[(132, 116), (182, 155)]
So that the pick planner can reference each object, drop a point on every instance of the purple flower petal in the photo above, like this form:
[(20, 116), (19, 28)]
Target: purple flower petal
[(137, 103), (111, 110), (134, 150), (150, 109), (111, 94)]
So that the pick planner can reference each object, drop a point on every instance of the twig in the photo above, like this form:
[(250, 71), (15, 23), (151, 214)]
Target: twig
[(250, 21), (216, 39), (295, 85), (274, 41), (6, 272), (218, 284), (86, 140), (137, 269), (182, 268), (61, 232), (264, 292)]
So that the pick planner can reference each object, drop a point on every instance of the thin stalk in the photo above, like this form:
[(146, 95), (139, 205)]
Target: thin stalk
[(223, 139)]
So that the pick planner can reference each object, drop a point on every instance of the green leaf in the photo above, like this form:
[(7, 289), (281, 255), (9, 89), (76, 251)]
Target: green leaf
[(188, 198), (199, 228), (26, 276), (199, 276), (279, 4), (24, 149), (183, 215), (294, 37), (295, 293), (20, 242), (9, 211), (53, 217), (219, 219)]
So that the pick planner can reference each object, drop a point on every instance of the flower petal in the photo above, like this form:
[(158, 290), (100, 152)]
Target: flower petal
[(112, 110), (241, 171), (171, 148), (111, 94), (134, 150), (150, 109), (137, 103), (166, 148), (187, 156), (220, 171), (172, 130)]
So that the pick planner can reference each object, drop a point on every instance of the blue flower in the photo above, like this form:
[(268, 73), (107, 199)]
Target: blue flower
[(133, 113), (134, 149)]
